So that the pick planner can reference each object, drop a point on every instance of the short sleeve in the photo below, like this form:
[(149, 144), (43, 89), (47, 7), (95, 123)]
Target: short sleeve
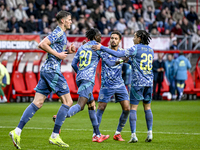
[(55, 36), (131, 51)]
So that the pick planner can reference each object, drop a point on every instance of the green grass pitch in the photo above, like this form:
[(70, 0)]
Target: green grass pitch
[(176, 126)]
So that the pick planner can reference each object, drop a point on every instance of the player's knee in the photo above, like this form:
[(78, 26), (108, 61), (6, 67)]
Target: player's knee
[(38, 104), (91, 105), (101, 107), (127, 109)]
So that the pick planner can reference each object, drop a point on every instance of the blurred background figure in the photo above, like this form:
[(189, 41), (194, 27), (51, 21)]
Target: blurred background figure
[(182, 64), (4, 81), (170, 74), (158, 72)]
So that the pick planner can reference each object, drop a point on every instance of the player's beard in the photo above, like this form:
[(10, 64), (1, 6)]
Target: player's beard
[(114, 45)]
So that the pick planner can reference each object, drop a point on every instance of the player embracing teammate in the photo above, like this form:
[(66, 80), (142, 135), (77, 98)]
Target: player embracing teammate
[(141, 58)]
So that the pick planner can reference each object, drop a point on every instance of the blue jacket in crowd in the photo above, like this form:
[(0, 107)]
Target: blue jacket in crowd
[(182, 64)]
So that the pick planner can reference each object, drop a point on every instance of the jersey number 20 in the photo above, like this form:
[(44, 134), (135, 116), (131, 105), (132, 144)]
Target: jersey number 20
[(85, 58), (146, 58)]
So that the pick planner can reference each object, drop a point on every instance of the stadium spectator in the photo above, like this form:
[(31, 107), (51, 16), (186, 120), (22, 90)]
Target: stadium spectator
[(13, 25), (174, 45), (138, 14), (92, 4), (187, 27), (32, 25), (153, 26), (82, 11), (170, 24), (109, 13), (8, 13), (161, 18), (121, 26), (178, 14), (112, 24), (119, 13), (102, 24), (126, 4), (20, 13), (171, 5), (81, 23), (39, 3), (141, 24), (170, 74), (129, 13), (90, 23), (23, 26), (22, 2), (196, 37), (177, 30), (158, 72), (147, 3), (192, 16), (184, 5), (166, 32), (4, 81), (4, 25), (148, 16), (42, 11), (109, 3), (31, 11), (132, 24), (105, 31), (96, 15), (102, 10), (43, 24), (74, 12), (182, 64), (11, 3), (51, 13)]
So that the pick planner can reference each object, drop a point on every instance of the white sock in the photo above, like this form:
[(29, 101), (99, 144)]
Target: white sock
[(149, 132), (133, 135), (54, 135), (94, 134), (99, 135), (18, 131), (117, 132)]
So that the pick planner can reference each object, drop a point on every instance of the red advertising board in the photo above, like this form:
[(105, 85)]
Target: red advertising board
[(19, 41)]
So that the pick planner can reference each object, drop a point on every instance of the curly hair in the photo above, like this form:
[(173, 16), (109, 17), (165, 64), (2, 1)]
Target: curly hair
[(145, 36)]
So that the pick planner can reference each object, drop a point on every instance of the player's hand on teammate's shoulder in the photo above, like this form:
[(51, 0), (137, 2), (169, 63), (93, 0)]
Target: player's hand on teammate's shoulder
[(71, 49), (62, 55), (96, 47), (84, 42)]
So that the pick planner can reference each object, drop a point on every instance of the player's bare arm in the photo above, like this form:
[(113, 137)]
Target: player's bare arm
[(96, 47), (44, 45)]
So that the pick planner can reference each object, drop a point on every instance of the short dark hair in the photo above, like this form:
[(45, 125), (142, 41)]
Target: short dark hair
[(61, 14), (90, 34), (118, 33), (144, 35)]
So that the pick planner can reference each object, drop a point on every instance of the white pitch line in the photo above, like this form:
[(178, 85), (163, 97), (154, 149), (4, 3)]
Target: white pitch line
[(35, 128)]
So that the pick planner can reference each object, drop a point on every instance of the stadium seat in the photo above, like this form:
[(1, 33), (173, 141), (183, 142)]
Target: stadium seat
[(31, 81), (69, 76), (19, 85), (189, 84)]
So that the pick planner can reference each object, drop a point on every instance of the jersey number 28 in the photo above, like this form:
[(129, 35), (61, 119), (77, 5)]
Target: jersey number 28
[(146, 58)]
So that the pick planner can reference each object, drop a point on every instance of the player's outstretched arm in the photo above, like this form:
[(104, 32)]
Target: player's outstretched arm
[(44, 45), (108, 50)]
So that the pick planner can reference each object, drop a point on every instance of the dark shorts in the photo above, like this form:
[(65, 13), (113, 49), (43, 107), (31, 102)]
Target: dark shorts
[(139, 93), (52, 82), (85, 89), (120, 93)]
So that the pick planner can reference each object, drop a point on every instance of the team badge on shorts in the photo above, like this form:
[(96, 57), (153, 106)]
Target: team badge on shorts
[(101, 96), (64, 85), (89, 94)]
